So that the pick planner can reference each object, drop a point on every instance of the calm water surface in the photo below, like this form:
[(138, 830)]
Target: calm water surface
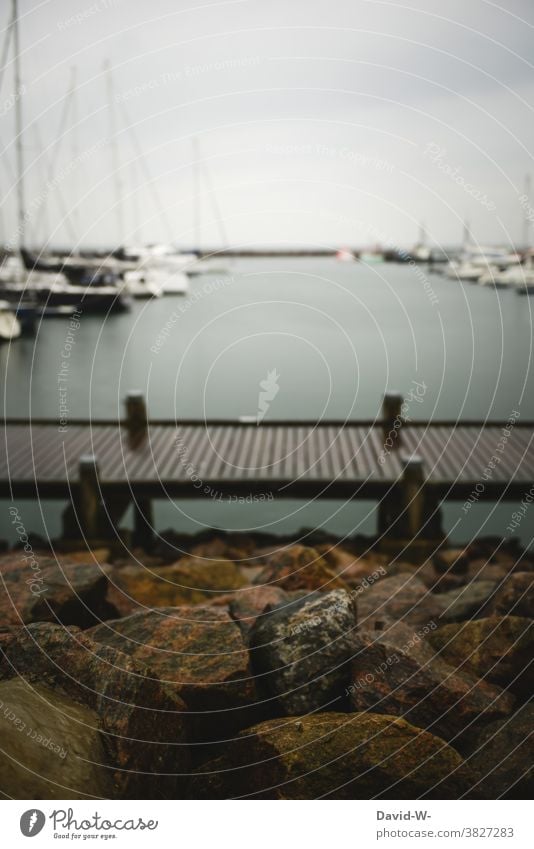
[(337, 334)]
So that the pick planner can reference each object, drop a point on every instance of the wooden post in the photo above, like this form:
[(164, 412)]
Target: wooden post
[(89, 508), (136, 416), (137, 425), (143, 534), (391, 418), (413, 494)]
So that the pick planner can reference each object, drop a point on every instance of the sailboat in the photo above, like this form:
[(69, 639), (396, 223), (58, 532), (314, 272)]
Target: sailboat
[(205, 264), (24, 278), (478, 264)]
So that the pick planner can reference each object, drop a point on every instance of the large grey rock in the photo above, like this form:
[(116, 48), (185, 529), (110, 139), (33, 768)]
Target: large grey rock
[(300, 652)]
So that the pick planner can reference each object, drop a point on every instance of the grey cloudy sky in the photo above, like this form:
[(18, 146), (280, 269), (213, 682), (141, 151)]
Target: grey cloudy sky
[(319, 121)]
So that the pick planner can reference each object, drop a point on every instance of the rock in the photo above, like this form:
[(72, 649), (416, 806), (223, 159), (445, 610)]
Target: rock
[(471, 600), (498, 649), (41, 590), (407, 680), (52, 746), (454, 560), (334, 756), (437, 582), (143, 725), (237, 547), (401, 597), (501, 756), (299, 568), (200, 654), (300, 652), (484, 570), (516, 596), (189, 581), (353, 568), (97, 555), (247, 606)]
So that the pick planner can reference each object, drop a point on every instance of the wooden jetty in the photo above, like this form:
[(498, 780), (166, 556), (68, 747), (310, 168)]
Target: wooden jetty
[(101, 467)]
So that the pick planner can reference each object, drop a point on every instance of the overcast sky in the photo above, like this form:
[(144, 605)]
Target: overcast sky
[(318, 121)]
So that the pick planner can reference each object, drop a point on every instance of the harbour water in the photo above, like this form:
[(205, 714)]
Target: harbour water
[(336, 334)]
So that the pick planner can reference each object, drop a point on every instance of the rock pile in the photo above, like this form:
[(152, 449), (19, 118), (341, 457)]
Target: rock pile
[(237, 666)]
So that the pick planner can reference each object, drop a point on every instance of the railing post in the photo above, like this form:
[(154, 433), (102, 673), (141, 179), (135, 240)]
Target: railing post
[(143, 534), (137, 426), (391, 416), (90, 498), (413, 493), (136, 415)]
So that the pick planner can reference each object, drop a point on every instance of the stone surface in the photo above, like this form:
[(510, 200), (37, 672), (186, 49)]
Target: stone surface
[(197, 651), (499, 649), (300, 652), (353, 568), (334, 756), (501, 756), (454, 560), (189, 581), (248, 606), (402, 597), (143, 724), (406, 679), (486, 570), (471, 600), (299, 568), (516, 596), (38, 589), (52, 746)]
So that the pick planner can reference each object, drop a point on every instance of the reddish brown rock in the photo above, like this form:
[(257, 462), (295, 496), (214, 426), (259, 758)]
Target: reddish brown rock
[(237, 547), (352, 568), (484, 570), (408, 680), (501, 757), (516, 596), (248, 605), (197, 651), (189, 581), (299, 568), (143, 724), (499, 649), (334, 756), (451, 560), (402, 597), (41, 590)]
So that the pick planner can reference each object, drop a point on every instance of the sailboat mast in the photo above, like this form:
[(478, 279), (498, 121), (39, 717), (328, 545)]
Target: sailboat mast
[(196, 193), (115, 161), (18, 131), (526, 221)]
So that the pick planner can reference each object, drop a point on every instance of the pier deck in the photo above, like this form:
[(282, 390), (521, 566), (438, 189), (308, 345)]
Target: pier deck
[(98, 465)]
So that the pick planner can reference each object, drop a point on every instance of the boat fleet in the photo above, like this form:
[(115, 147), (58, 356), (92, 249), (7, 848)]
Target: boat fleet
[(495, 267), (35, 286)]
